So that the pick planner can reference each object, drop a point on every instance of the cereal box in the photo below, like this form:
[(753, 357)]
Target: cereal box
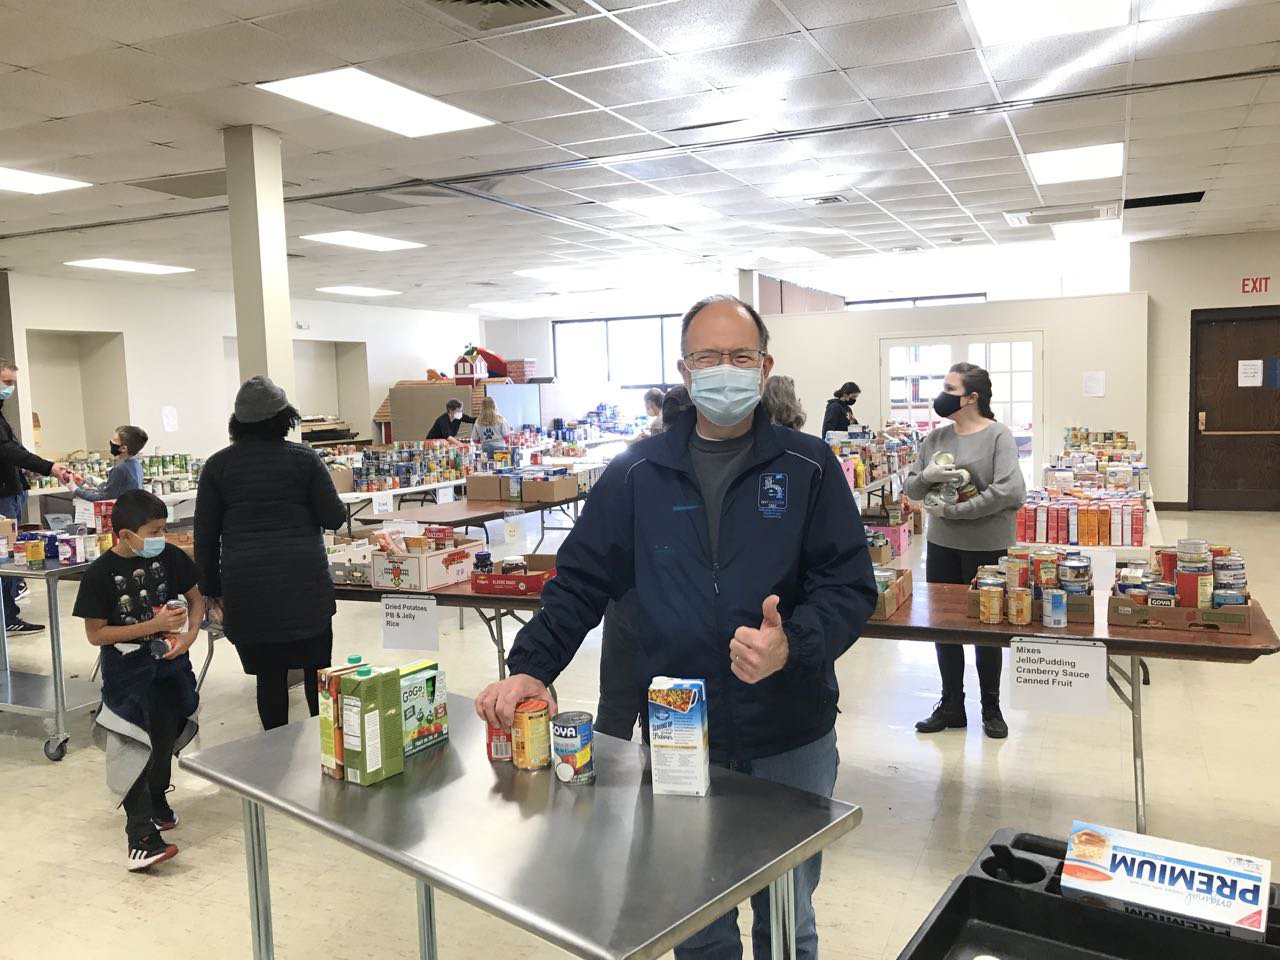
[(1164, 880), (423, 714), (679, 752)]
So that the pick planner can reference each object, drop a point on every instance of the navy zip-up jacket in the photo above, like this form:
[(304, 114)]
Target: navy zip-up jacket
[(789, 526)]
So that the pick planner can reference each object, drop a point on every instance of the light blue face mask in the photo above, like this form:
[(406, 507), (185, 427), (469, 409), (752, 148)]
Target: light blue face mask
[(6, 392), (725, 394), (151, 547)]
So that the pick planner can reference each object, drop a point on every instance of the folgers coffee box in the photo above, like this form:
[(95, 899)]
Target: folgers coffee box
[(679, 751), (372, 742), (331, 719), (424, 717), (1164, 880)]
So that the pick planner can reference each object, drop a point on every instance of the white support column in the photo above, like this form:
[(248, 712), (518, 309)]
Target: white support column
[(749, 287), (255, 191)]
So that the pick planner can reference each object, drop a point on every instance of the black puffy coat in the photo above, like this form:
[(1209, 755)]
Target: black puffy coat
[(260, 512)]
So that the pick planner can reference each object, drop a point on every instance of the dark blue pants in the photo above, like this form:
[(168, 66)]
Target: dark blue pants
[(12, 507)]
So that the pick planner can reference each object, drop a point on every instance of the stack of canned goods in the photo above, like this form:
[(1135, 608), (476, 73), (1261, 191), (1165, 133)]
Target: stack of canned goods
[(1230, 580), (1195, 574), (942, 494), (537, 741)]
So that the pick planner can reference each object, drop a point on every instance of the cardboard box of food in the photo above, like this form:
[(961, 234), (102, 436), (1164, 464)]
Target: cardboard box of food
[(343, 479), (350, 572), (899, 535), (1123, 612), (484, 486), (679, 749), (542, 567), (550, 490), (881, 556), (898, 593), (443, 567), (328, 682), (1176, 883), (405, 571), (424, 715), (372, 735)]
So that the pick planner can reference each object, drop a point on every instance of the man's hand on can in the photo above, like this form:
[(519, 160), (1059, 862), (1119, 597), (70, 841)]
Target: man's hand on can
[(497, 702)]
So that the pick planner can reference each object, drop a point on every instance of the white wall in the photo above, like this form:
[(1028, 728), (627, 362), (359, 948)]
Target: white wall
[(1180, 276), (174, 349), (51, 371), (315, 372), (104, 386), (520, 340), (1109, 333)]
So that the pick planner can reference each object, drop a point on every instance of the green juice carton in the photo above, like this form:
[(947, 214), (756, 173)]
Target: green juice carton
[(423, 714), (330, 699), (371, 742)]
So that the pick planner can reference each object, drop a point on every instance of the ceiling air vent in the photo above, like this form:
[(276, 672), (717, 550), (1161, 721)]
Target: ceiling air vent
[(825, 201), (486, 15), (1163, 200), (1074, 213)]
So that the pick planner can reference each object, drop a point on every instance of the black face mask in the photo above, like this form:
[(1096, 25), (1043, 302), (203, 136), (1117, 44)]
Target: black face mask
[(945, 404), (115, 448), (851, 401)]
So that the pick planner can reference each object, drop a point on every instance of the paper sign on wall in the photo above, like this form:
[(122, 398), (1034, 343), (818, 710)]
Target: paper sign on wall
[(169, 419), (1249, 373), (1060, 676), (410, 623), (383, 502), (1095, 383)]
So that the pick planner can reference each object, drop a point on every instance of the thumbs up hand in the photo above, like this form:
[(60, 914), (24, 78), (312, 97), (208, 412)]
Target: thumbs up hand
[(756, 654)]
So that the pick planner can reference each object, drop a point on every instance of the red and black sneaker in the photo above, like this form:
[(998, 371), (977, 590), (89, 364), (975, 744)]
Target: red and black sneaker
[(149, 850), (165, 820)]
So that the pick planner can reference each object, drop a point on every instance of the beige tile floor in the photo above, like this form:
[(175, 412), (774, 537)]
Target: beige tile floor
[(929, 802)]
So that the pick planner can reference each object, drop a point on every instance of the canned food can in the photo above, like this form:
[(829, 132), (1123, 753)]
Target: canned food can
[(1167, 562), (1230, 561), (1017, 572), (1019, 553), (1188, 566), (1219, 549), (992, 570), (1044, 568), (571, 742), (1193, 546), (965, 477), (1019, 606), (1138, 597), (997, 582), (1076, 588), (1229, 598), (531, 735), (178, 603), (1075, 569), (498, 743), (944, 459), (991, 604), (933, 499), (1161, 588), (947, 493), (1195, 589), (1053, 610), (966, 492)]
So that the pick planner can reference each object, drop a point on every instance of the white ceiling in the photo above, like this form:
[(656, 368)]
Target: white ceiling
[(116, 90)]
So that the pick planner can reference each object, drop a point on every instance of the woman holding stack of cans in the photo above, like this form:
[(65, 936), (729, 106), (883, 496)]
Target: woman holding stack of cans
[(971, 486)]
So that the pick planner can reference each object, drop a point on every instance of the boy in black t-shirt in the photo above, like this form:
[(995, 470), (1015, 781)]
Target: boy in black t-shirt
[(148, 688)]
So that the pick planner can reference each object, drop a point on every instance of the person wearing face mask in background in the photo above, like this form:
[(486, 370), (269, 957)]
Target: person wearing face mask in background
[(839, 413), (14, 458), (744, 546), (448, 423), (964, 536), (126, 443)]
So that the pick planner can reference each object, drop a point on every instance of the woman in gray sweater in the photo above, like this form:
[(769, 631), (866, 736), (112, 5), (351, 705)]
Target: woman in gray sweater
[(964, 536)]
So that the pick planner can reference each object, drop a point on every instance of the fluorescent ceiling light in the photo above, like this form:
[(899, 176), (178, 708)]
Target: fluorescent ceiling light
[(20, 181), (1098, 162), (361, 96), (347, 291), (666, 210), (1019, 21), (362, 241), (126, 266), (788, 255), (1086, 230)]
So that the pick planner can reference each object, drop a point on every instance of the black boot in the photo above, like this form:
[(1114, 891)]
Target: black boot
[(948, 712), (992, 719)]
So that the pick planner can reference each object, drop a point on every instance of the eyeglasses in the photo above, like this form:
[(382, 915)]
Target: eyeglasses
[(702, 359)]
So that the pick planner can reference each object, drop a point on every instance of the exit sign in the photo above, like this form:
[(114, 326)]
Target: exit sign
[(1255, 284)]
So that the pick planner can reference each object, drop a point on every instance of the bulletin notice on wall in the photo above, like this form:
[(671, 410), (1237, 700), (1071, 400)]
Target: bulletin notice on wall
[(1059, 676)]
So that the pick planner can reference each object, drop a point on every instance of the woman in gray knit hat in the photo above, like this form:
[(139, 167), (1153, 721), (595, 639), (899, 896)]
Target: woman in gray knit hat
[(261, 510)]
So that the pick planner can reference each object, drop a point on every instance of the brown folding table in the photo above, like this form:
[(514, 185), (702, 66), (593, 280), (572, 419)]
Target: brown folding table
[(476, 513)]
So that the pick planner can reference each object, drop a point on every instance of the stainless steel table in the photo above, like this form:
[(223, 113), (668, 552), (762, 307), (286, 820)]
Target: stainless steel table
[(36, 694), (605, 871)]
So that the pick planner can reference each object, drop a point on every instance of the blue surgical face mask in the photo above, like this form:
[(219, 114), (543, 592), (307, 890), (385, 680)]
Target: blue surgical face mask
[(151, 547), (6, 392), (725, 394)]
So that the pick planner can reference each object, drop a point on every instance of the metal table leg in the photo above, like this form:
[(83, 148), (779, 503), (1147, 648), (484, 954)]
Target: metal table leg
[(426, 922), (60, 735), (4, 645), (255, 852), (782, 917), (1133, 700)]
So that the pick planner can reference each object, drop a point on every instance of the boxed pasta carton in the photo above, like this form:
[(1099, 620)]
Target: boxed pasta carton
[(679, 751), (1176, 883)]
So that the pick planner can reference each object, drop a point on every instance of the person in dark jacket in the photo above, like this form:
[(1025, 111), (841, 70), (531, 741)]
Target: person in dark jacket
[(746, 549), (14, 458), (261, 507), (839, 413), (448, 423)]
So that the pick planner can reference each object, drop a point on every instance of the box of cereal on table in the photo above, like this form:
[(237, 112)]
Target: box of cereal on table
[(679, 754), (1164, 880)]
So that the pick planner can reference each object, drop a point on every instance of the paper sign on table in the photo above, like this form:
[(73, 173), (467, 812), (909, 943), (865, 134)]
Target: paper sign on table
[(384, 502), (1059, 676), (410, 623), (84, 514), (446, 495), (1248, 373)]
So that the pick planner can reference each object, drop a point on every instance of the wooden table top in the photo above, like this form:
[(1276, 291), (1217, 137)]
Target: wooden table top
[(938, 613)]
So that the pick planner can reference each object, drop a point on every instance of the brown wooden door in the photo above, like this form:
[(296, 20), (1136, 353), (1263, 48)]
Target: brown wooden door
[(1235, 430)]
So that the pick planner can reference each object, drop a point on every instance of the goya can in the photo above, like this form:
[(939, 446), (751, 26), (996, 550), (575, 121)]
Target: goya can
[(1019, 606), (571, 742), (1053, 610), (991, 604), (498, 744), (531, 735)]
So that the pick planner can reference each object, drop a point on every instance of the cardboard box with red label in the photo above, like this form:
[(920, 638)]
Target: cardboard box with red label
[(425, 571), (542, 567)]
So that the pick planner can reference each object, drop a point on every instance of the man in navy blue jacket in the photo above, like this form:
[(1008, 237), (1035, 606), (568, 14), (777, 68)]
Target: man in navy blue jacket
[(722, 523)]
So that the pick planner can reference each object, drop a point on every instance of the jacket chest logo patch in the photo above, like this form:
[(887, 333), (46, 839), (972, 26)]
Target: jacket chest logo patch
[(773, 495)]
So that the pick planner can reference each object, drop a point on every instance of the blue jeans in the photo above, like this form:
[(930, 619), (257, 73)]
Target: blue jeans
[(813, 768), (12, 507)]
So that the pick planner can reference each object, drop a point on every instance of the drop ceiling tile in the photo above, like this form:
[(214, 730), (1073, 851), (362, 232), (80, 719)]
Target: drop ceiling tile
[(28, 38), (635, 83), (717, 132), (457, 68), (359, 30), (1086, 191), (776, 59), (893, 178), (29, 90), (1270, 92), (937, 133), (978, 168), (693, 110), (331, 132), (739, 157), (522, 101), (661, 168), (522, 159), (1195, 121), (872, 162), (10, 118), (567, 47), (816, 14), (1064, 55), (914, 36), (249, 9), (129, 21), (577, 127), (1207, 31), (1066, 116), (132, 73), (1167, 164), (1089, 78), (244, 53), (1253, 136), (1211, 64), (817, 90), (963, 152), (1070, 139), (1263, 114), (1259, 152), (699, 24), (976, 96), (236, 105), (618, 191), (1200, 96), (618, 146), (904, 191), (1003, 181), (585, 177), (919, 76), (700, 183), (1181, 143), (851, 143)]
